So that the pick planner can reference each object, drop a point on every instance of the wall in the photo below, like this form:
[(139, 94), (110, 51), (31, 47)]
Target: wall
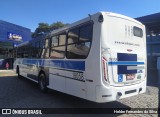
[(6, 28)]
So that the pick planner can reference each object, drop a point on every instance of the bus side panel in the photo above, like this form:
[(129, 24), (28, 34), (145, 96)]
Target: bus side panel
[(76, 88), (24, 70), (75, 83), (22, 67), (93, 74), (56, 81), (56, 76), (66, 79)]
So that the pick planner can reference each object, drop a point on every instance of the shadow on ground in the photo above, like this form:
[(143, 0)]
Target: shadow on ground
[(23, 93)]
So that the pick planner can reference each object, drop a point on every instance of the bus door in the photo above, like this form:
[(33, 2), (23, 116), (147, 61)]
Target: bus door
[(33, 69)]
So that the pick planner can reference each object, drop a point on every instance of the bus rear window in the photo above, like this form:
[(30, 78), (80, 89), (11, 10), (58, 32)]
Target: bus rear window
[(137, 31)]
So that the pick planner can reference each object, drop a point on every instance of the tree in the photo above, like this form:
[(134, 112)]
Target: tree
[(44, 28), (56, 25)]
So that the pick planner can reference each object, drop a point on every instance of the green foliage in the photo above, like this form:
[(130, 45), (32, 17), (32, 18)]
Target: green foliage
[(57, 25), (44, 28)]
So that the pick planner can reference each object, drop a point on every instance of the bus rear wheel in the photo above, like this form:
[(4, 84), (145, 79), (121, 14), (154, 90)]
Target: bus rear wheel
[(42, 83)]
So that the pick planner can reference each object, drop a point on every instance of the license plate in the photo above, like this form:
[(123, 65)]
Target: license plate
[(130, 76)]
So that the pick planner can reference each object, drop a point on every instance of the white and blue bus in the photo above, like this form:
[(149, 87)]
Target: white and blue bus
[(101, 58)]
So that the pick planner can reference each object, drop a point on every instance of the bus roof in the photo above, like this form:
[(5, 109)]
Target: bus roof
[(121, 16), (89, 18)]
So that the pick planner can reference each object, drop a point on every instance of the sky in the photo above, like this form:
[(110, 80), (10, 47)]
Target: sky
[(28, 13)]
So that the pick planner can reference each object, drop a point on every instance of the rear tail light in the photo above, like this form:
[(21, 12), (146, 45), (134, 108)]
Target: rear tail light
[(105, 70)]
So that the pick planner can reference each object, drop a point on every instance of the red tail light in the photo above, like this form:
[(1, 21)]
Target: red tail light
[(104, 62)]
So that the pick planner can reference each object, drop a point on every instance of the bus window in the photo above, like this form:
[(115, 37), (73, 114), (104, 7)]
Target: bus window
[(86, 33), (54, 41), (58, 46), (45, 53), (137, 31), (62, 39), (73, 36), (46, 43), (58, 52), (79, 49), (42, 43)]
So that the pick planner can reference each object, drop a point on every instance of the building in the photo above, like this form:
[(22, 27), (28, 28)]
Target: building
[(152, 23), (10, 36)]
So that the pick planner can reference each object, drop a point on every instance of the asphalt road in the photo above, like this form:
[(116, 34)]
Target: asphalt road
[(23, 93)]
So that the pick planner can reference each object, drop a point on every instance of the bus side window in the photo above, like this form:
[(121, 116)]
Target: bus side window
[(54, 41), (79, 49), (73, 36), (45, 53), (86, 33), (58, 46)]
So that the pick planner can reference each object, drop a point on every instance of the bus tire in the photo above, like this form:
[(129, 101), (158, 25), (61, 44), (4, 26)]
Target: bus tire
[(42, 83), (18, 72)]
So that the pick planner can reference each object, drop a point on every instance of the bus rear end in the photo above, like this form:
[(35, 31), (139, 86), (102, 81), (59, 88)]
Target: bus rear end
[(123, 51)]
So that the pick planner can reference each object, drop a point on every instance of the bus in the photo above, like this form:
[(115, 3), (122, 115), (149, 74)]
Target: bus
[(101, 58)]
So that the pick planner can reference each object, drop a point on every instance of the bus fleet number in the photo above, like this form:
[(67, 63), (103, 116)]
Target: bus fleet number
[(78, 76)]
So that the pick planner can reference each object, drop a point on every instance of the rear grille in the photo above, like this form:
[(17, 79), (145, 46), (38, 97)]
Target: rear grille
[(131, 91)]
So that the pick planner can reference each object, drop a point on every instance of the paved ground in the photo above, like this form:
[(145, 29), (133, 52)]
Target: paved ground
[(22, 93), (4, 73)]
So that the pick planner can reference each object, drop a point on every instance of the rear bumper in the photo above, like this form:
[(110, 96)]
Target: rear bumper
[(112, 93)]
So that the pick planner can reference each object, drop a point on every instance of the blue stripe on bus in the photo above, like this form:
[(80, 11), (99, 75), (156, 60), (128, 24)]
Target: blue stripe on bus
[(125, 63), (63, 64), (74, 65)]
